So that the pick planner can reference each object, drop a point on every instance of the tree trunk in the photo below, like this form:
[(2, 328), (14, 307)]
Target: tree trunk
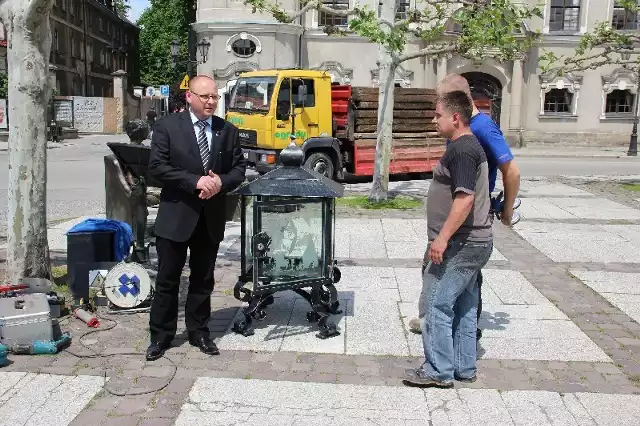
[(29, 46), (386, 84)]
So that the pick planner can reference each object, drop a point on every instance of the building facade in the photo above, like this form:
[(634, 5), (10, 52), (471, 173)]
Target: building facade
[(591, 107), (89, 41)]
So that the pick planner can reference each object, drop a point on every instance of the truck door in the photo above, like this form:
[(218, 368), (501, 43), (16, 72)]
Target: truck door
[(282, 127), (307, 119)]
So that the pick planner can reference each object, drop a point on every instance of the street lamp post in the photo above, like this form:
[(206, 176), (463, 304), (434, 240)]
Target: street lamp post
[(633, 140), (202, 49)]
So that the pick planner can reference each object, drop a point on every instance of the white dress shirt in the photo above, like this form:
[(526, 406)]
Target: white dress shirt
[(207, 129)]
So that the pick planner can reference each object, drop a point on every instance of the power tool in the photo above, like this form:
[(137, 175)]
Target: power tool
[(41, 347)]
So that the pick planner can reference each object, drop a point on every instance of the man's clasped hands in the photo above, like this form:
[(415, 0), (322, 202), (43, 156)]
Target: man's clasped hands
[(209, 185)]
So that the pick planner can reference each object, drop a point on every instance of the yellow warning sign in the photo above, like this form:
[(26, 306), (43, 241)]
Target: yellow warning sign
[(185, 82)]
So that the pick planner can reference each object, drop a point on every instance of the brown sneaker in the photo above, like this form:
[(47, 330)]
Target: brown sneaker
[(466, 380), (414, 325), (413, 377)]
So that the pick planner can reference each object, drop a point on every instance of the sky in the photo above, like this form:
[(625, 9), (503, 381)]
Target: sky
[(137, 6)]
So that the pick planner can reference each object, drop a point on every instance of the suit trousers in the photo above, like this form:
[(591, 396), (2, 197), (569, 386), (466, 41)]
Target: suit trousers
[(163, 318)]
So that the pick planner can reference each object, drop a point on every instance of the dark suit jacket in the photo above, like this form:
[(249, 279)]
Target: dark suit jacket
[(175, 161)]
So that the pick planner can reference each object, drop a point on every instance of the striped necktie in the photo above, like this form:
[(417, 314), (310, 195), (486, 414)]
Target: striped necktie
[(203, 143)]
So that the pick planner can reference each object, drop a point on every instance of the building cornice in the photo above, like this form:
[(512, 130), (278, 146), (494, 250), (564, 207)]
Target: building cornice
[(556, 40), (317, 33), (111, 14), (235, 68), (80, 30), (254, 27)]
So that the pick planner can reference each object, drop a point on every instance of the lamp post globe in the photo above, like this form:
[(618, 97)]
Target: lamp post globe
[(203, 49), (175, 49)]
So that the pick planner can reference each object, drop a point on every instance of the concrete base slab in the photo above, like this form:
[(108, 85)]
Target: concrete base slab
[(620, 288), (222, 401), (555, 348), (413, 187), (543, 188), (518, 322), (355, 238), (377, 304), (384, 239), (577, 208), (43, 399), (563, 242), (528, 188), (57, 234)]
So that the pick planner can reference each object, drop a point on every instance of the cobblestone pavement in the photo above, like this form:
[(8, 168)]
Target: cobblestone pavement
[(561, 342)]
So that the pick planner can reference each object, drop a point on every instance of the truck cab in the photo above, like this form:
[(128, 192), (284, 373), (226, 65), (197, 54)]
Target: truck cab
[(270, 106)]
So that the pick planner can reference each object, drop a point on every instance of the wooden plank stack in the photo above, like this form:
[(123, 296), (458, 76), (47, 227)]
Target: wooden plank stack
[(413, 112)]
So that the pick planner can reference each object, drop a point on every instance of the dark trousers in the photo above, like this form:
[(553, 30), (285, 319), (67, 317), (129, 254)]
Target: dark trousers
[(163, 319)]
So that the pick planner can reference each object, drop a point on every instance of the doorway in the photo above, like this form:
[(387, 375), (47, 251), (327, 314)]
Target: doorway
[(486, 91)]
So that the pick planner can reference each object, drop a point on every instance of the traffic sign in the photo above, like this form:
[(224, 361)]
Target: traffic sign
[(150, 91), (185, 82), (164, 90)]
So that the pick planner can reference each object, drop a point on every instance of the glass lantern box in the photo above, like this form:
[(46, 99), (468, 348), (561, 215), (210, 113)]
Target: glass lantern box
[(287, 239)]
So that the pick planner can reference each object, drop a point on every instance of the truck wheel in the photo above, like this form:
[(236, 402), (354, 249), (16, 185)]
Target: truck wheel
[(320, 163)]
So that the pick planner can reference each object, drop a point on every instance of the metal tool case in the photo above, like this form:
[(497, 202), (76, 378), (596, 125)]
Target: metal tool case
[(24, 319)]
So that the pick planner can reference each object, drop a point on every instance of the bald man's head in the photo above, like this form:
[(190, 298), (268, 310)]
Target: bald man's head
[(202, 96), (455, 82), (451, 83), (200, 80)]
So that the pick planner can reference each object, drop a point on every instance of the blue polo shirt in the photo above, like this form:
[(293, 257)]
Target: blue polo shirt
[(493, 142)]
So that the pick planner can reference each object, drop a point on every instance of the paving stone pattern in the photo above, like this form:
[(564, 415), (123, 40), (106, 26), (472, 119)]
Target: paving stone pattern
[(560, 344), (622, 289), (519, 322), (44, 399), (258, 402)]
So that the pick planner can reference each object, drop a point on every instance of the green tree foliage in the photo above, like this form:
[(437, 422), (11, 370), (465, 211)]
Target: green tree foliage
[(474, 29), (122, 7), (602, 46), (160, 24), (485, 28)]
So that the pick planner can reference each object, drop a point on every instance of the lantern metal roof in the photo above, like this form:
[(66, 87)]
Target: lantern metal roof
[(292, 180)]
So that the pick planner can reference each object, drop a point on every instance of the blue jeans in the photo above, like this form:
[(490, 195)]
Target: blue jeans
[(421, 303), (450, 308)]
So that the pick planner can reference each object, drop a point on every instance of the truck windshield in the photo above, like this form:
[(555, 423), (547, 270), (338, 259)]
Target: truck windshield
[(252, 94)]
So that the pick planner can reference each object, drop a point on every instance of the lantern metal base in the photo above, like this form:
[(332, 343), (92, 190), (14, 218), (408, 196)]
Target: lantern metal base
[(322, 298)]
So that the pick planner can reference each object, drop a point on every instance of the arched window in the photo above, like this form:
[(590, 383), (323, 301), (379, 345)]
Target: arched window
[(619, 90), (486, 91), (559, 95), (243, 48), (244, 45)]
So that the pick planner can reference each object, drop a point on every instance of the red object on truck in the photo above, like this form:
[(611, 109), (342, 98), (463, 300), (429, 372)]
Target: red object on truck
[(416, 145)]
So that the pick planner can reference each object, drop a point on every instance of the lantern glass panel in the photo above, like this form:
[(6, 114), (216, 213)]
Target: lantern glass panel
[(294, 241), (248, 233)]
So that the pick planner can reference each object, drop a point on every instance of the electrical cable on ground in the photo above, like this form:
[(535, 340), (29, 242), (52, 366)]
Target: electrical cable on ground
[(99, 355)]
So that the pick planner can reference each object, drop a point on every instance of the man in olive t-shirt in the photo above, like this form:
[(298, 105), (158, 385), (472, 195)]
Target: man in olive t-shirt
[(460, 243)]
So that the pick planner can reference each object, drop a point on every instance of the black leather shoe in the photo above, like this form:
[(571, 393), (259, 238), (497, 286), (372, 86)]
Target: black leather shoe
[(205, 345), (156, 350)]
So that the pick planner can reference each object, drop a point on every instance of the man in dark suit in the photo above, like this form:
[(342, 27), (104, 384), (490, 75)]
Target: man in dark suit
[(198, 159)]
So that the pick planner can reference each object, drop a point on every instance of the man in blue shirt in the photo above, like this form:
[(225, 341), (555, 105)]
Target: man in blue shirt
[(499, 156)]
